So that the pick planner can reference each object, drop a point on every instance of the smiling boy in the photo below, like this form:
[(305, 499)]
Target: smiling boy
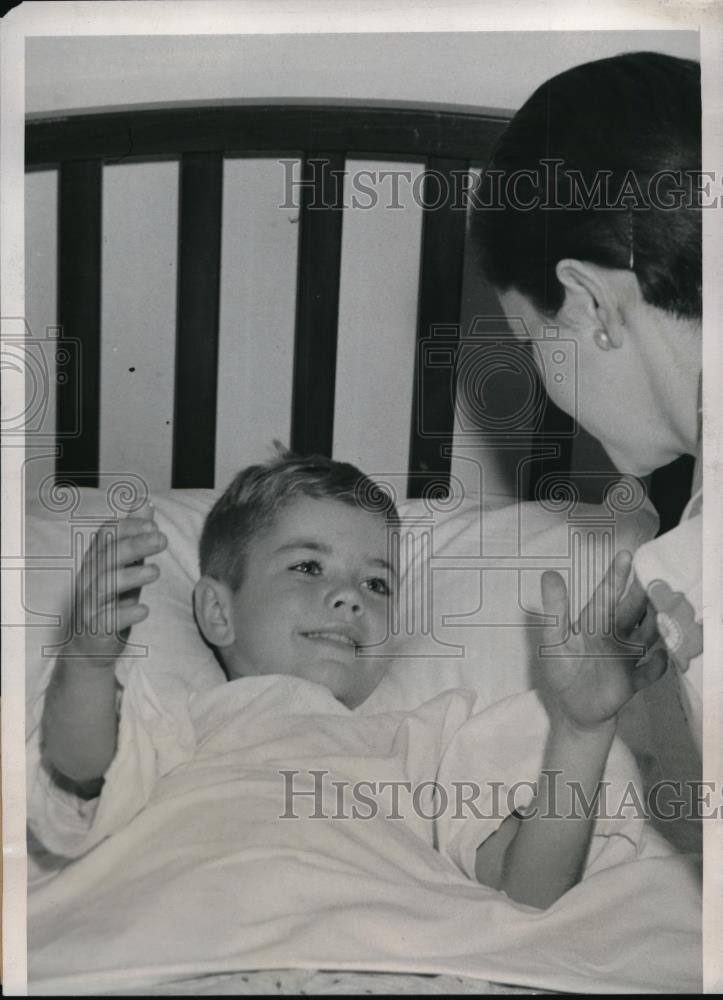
[(314, 588), (295, 592)]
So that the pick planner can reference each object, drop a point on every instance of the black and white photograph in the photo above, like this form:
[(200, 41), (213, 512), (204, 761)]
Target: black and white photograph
[(361, 384)]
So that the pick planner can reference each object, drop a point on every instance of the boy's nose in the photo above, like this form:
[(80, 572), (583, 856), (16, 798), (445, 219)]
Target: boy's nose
[(346, 598)]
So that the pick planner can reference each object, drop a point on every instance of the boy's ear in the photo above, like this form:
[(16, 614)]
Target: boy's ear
[(595, 299), (212, 603)]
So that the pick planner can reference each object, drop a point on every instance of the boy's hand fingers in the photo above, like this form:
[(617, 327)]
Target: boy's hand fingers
[(107, 558), (112, 619), (100, 583), (124, 527), (132, 578), (109, 537), (632, 607), (110, 578), (120, 582), (137, 547), (609, 591), (146, 512), (132, 615), (129, 527), (89, 579), (554, 600)]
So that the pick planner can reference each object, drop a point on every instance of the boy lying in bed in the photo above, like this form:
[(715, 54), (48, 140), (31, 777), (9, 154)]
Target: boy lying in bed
[(298, 578)]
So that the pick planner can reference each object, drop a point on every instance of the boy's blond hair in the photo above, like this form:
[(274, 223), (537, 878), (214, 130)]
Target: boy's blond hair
[(257, 494)]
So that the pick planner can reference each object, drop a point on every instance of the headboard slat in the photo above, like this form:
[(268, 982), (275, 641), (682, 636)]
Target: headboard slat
[(443, 245), (252, 128), (199, 262), (317, 308), (79, 262), (448, 139)]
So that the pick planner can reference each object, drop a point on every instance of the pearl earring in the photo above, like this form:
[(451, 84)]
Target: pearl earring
[(602, 340)]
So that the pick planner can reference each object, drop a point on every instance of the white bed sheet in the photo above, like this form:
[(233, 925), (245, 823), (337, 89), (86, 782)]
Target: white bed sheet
[(204, 881)]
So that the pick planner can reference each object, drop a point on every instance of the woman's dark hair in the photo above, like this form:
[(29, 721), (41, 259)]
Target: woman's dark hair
[(601, 164)]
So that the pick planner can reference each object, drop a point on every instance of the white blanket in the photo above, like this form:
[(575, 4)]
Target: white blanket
[(193, 872)]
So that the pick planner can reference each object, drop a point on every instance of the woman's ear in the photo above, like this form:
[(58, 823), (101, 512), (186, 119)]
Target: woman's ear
[(212, 603), (593, 300)]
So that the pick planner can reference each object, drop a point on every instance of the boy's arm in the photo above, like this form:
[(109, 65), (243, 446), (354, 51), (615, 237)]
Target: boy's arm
[(537, 859), (80, 722)]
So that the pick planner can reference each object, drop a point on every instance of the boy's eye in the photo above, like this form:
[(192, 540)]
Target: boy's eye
[(378, 585), (309, 567)]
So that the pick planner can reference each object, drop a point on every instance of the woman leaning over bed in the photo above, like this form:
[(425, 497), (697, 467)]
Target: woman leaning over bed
[(592, 225)]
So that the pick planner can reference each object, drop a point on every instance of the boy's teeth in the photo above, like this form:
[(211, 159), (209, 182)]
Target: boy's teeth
[(335, 636)]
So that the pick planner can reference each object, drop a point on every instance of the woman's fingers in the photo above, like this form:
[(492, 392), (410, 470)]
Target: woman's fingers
[(649, 670), (647, 631)]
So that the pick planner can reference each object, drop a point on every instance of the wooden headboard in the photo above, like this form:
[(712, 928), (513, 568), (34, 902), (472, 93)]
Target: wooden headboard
[(322, 136)]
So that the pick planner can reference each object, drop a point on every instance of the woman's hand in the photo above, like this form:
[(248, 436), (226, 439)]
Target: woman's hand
[(592, 668)]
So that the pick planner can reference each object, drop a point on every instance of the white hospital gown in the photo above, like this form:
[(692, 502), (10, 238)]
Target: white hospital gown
[(185, 864)]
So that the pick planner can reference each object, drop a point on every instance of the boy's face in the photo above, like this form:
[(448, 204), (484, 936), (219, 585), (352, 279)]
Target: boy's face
[(317, 586)]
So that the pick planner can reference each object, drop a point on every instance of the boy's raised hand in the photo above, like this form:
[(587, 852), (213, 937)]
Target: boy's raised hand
[(591, 668), (108, 585)]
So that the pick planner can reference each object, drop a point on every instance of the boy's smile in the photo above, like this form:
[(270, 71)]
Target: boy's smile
[(346, 637), (317, 589)]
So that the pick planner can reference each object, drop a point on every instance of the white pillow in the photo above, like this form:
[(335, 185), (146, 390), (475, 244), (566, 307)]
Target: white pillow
[(57, 529), (470, 587), (472, 581)]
